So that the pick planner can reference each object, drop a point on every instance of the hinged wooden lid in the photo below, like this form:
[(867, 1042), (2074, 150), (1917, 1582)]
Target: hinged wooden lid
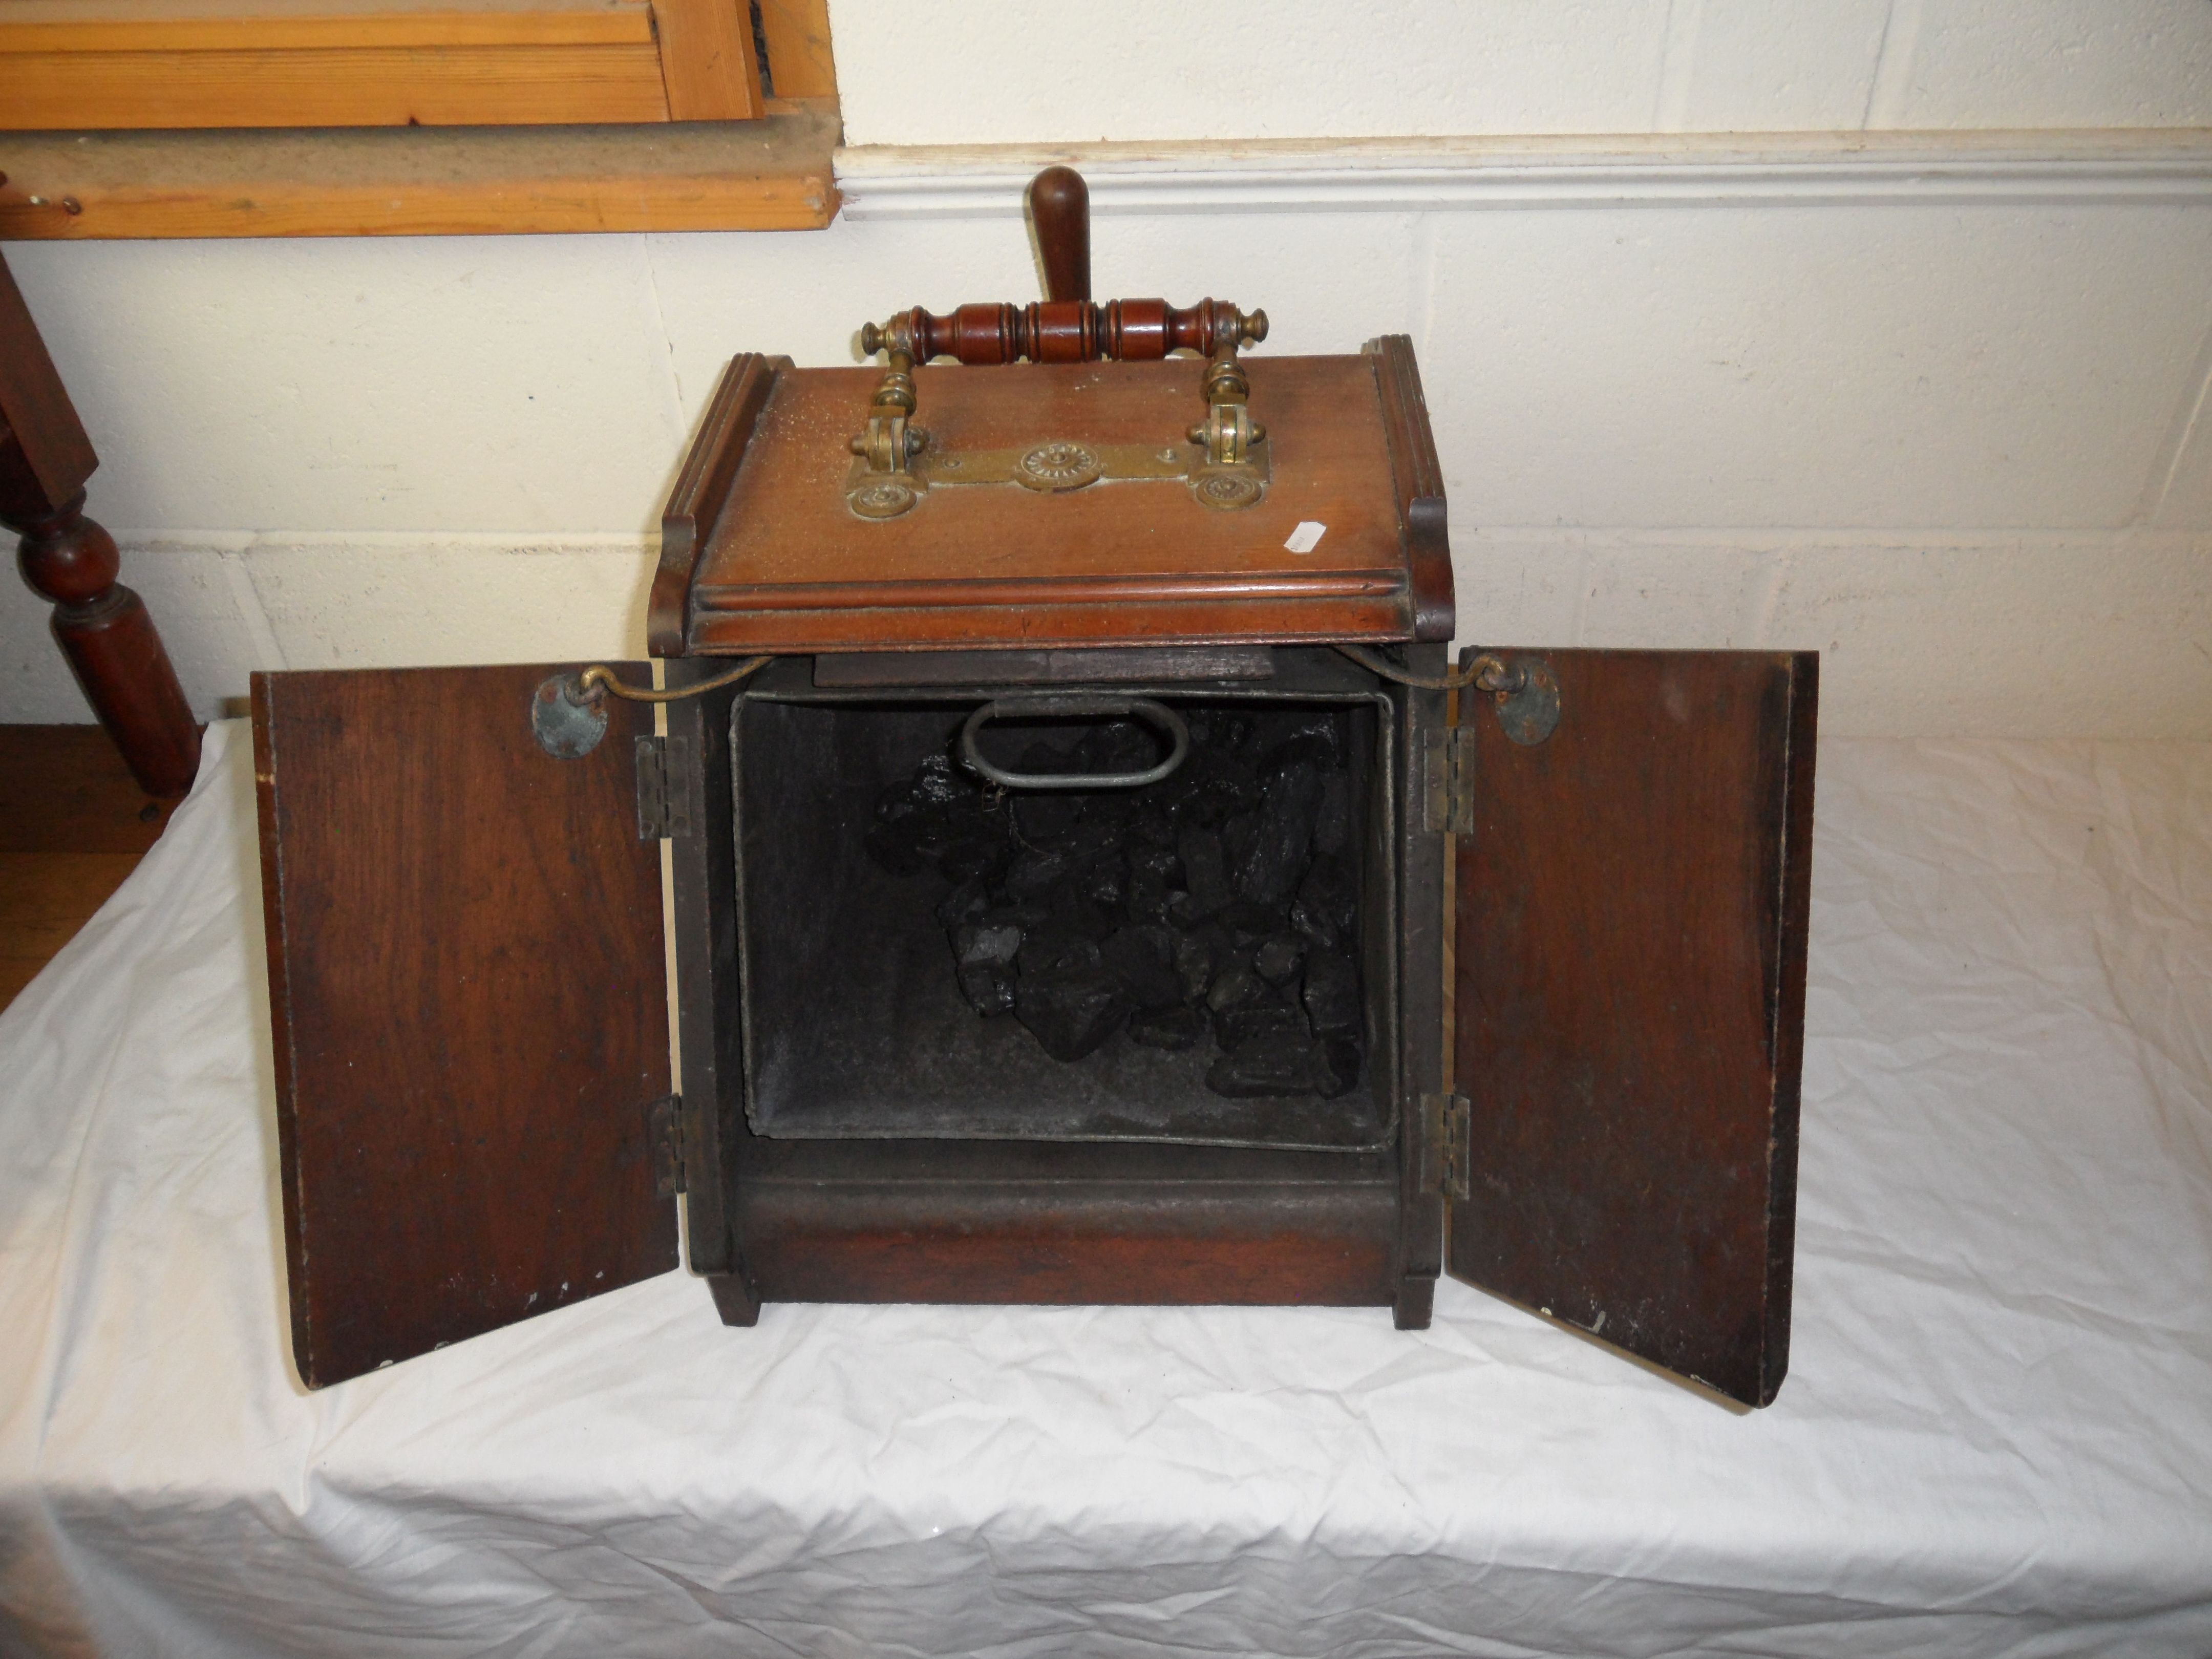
[(762, 553)]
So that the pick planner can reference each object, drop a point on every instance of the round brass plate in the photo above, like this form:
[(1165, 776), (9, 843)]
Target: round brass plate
[(1057, 466), (883, 498), (1225, 490)]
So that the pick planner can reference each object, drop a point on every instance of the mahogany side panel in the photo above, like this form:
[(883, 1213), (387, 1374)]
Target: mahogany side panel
[(469, 1006), (1419, 479), (1632, 916), (701, 490)]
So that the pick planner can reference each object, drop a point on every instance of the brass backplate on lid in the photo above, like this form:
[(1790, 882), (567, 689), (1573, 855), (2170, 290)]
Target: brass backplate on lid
[(1059, 466)]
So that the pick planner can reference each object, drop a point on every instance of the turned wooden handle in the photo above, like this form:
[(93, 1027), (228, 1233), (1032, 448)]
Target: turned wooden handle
[(1060, 208), (1066, 327), (1068, 331)]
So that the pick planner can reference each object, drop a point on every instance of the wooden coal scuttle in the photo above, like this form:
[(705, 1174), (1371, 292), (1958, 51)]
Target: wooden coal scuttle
[(1066, 793)]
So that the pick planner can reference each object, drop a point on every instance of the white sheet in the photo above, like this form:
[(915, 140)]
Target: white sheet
[(1996, 1438)]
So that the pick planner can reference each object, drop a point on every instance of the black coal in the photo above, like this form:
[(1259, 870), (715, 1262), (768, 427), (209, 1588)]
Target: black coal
[(1216, 906)]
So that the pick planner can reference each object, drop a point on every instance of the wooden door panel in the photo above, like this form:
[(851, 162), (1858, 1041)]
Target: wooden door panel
[(469, 1008), (1631, 967)]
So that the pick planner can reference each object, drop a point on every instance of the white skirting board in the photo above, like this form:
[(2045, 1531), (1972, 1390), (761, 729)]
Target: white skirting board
[(1663, 170)]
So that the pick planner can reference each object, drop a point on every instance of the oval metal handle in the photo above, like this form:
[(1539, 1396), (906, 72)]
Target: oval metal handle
[(1156, 715)]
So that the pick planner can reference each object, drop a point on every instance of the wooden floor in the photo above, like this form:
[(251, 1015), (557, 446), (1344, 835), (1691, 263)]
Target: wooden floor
[(72, 826)]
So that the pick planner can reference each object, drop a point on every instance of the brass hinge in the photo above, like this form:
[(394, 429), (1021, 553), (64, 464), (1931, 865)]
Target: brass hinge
[(663, 787), (1448, 806), (663, 1129), (1451, 1139)]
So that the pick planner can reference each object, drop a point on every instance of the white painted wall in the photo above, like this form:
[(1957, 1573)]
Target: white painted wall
[(1935, 404), (1264, 68)]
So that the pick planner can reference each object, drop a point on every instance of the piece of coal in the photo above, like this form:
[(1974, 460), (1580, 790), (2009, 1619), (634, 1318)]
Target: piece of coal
[(1051, 946), (1327, 903), (966, 902), (937, 781), (1034, 870), (1220, 728), (1070, 1011), (1216, 785), (1156, 860), (1336, 1069), (1332, 995), (1195, 957), (1235, 986), (1115, 749), (1106, 880), (974, 943), (1072, 911), (1277, 959), (1320, 740), (1151, 827), (1332, 823), (1147, 898), (1117, 807), (985, 955), (1044, 759), (1042, 814), (1142, 959), (1247, 923), (896, 800), (1173, 1028), (1205, 872), (977, 854), (1270, 1025), (1239, 836), (938, 828), (1274, 855), (1091, 839), (1024, 914), (1149, 869), (989, 989)]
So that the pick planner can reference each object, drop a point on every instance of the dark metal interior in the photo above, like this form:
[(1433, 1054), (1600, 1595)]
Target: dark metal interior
[(854, 1023)]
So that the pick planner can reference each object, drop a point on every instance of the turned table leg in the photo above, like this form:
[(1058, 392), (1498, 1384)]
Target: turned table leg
[(108, 635), (103, 627)]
